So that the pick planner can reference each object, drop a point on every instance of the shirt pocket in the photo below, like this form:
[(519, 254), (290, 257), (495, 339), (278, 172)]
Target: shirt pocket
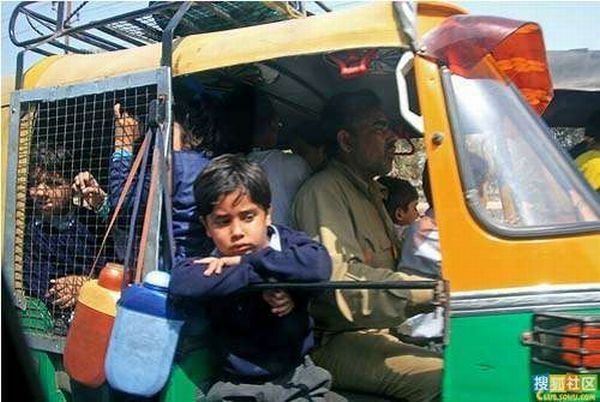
[(378, 250)]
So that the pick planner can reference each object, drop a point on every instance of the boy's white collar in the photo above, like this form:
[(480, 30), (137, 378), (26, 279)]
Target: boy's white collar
[(275, 239)]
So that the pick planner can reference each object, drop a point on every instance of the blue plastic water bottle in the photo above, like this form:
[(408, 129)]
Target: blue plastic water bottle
[(144, 337)]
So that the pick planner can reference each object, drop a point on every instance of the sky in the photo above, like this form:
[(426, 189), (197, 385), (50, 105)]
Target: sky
[(565, 24)]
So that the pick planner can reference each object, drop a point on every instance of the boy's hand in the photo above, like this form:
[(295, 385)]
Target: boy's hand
[(280, 301), (215, 265), (127, 129), (92, 195), (65, 290)]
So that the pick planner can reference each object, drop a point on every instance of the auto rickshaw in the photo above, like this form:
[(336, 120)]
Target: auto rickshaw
[(521, 259)]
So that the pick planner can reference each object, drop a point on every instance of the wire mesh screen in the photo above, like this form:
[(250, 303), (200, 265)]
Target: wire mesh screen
[(74, 156), (144, 28), (217, 16)]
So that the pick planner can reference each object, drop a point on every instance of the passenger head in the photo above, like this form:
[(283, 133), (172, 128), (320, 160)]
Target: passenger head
[(248, 120), (307, 141), (592, 128), (50, 179), (402, 200), (195, 126), (427, 185), (480, 170), (233, 199), (358, 133)]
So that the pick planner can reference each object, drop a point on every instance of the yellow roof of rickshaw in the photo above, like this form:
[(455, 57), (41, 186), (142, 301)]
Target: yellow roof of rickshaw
[(371, 25)]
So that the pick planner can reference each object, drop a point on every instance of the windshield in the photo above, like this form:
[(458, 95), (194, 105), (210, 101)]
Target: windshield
[(515, 177)]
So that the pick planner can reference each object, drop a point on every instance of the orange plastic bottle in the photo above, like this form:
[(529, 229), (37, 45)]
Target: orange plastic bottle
[(88, 336)]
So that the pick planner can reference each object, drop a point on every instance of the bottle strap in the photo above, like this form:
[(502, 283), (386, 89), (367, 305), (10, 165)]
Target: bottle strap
[(134, 211), (158, 175), (134, 167)]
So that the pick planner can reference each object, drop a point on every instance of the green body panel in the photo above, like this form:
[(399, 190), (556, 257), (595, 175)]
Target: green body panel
[(48, 365), (188, 377), (485, 359)]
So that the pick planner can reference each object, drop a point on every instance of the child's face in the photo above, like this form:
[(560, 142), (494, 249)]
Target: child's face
[(408, 216), (237, 225), (50, 192)]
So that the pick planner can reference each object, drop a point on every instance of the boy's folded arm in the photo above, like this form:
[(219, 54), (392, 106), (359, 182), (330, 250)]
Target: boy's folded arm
[(188, 279), (304, 260)]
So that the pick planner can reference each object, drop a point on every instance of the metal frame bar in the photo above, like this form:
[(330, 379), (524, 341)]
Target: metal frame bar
[(42, 39), (150, 77), (530, 299), (167, 36), (219, 13), (22, 8), (118, 35), (323, 6), (19, 71), (151, 259), (10, 206), (344, 285), (86, 37), (46, 343)]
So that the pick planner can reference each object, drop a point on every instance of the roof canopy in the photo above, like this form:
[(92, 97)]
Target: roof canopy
[(373, 25)]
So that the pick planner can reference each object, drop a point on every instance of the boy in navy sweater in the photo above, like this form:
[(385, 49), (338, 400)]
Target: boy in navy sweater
[(264, 337)]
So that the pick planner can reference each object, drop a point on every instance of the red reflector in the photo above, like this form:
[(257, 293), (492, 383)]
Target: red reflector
[(591, 345)]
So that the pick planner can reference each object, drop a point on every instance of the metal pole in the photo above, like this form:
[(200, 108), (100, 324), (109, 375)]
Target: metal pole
[(68, 11), (167, 38)]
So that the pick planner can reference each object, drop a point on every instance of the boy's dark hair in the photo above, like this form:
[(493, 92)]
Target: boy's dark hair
[(246, 112), (344, 111), (198, 119), (400, 193), (54, 160), (227, 174), (592, 128)]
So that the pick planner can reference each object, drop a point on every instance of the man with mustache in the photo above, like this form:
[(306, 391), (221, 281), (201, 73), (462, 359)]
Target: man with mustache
[(342, 207)]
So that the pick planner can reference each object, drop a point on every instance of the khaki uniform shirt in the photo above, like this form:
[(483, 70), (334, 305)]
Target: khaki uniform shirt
[(347, 215)]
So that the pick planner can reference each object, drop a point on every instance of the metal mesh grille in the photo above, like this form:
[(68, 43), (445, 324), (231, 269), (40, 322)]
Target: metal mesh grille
[(73, 159), (143, 28), (201, 17), (217, 16), (569, 341)]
